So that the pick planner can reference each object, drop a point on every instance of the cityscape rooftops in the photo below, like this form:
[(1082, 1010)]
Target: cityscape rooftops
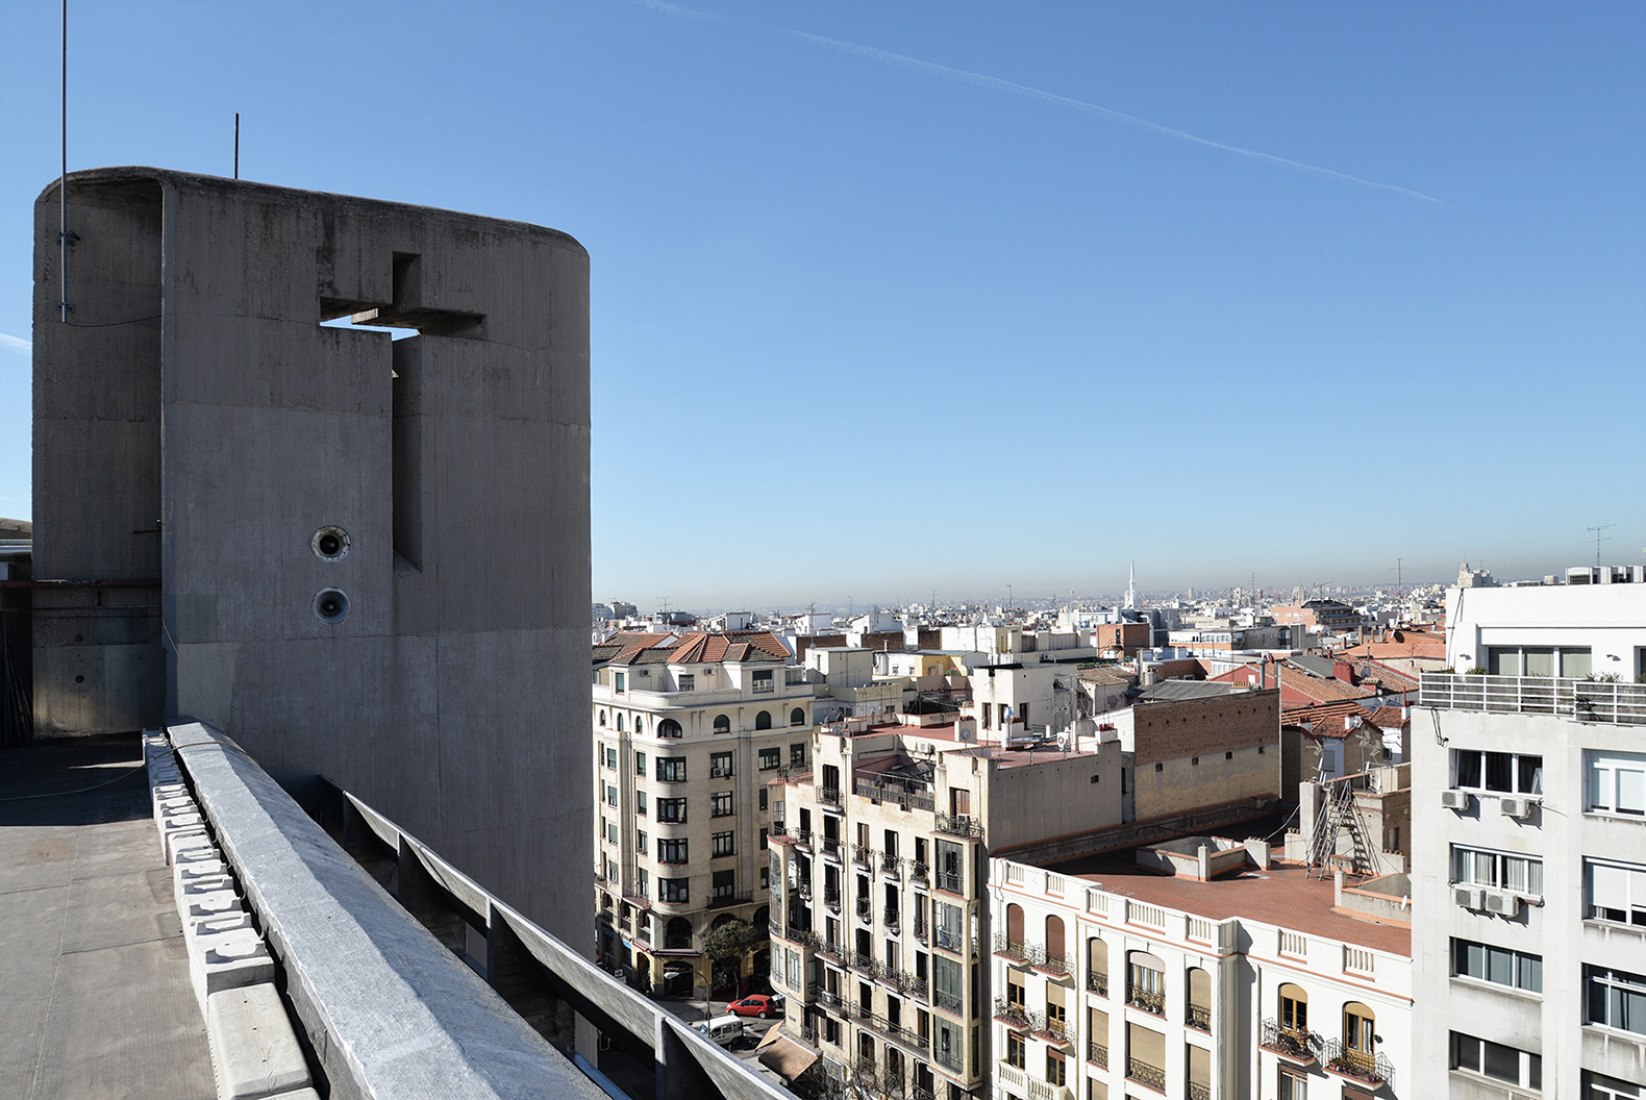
[(690, 649)]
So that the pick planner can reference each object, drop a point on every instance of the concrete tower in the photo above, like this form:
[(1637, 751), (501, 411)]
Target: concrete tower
[(362, 559)]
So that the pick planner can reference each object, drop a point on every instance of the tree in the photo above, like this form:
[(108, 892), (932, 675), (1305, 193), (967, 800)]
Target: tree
[(728, 941)]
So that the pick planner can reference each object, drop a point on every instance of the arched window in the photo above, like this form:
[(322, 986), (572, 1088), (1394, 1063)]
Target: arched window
[(1097, 966), (722, 724), (1294, 1008), (1146, 982), (797, 716), (1054, 938), (1359, 1034), (1200, 999), (1014, 928), (602, 718), (763, 720), (677, 934), (619, 721), (639, 724), (668, 728), (762, 916)]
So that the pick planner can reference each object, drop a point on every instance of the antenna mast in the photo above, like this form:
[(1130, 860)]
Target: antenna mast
[(63, 182), (1596, 532)]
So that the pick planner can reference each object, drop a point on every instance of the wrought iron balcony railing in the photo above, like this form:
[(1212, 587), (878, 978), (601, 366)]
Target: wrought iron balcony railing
[(1145, 1074), (1374, 1069), (1199, 1016), (1147, 1000), (1011, 1013), (1299, 1044), (1097, 983), (1010, 948), (917, 872), (1098, 1055), (949, 881), (959, 825), (948, 1002)]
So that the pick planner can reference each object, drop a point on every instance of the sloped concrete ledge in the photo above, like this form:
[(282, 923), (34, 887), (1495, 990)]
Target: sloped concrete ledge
[(389, 1011)]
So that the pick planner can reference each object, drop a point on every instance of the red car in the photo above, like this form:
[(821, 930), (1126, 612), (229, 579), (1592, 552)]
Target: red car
[(758, 1005)]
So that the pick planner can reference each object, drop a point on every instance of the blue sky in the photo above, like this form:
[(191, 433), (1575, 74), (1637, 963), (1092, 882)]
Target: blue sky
[(895, 298)]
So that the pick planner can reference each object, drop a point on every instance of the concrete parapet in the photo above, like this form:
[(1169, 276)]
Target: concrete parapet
[(254, 1050), (179, 841), (227, 959)]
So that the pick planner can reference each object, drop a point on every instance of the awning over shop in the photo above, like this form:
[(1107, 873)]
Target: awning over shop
[(783, 1056)]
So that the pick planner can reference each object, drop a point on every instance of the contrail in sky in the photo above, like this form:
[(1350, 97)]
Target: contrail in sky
[(982, 80), (14, 343)]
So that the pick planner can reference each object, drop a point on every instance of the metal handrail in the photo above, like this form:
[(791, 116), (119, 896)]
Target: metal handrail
[(1145, 1074), (1606, 701)]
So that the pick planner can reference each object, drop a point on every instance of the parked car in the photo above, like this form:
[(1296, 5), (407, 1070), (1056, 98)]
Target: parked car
[(724, 1030), (762, 1005)]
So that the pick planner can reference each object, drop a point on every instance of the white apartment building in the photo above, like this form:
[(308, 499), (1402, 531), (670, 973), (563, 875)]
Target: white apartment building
[(1230, 977), (687, 732), (1529, 867), (878, 911)]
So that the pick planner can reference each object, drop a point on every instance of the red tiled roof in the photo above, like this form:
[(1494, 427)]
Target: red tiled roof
[(1323, 718), (1317, 688), (700, 648)]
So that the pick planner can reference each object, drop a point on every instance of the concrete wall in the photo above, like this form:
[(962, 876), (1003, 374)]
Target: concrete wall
[(453, 693)]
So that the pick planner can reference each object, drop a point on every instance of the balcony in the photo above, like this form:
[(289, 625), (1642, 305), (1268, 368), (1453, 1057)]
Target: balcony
[(906, 982), (948, 1002), (949, 1058), (831, 848), (891, 865), (1198, 1091), (959, 825), (1144, 1074), (1011, 1013), (1009, 949), (832, 951), (864, 910), (918, 872), (829, 796), (893, 793), (829, 999), (1199, 1016), (865, 963), (949, 881), (722, 901), (831, 897), (1098, 1055), (1295, 1044), (1057, 966), (1097, 983), (1148, 1000), (893, 921), (1050, 1029), (1372, 1070), (1580, 700), (863, 857), (951, 940), (802, 838)]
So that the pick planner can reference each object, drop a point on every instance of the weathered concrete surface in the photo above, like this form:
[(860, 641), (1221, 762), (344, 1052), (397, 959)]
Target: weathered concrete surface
[(208, 430), (389, 1011), (96, 1002)]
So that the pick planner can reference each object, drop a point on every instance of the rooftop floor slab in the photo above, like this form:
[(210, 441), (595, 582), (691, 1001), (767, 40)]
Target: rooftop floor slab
[(97, 1000)]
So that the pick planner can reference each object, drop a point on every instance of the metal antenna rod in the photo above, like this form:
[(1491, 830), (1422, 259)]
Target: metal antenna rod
[(237, 145), (1599, 539), (63, 181)]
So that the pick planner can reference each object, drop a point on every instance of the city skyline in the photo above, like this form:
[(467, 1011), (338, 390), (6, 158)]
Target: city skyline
[(1024, 293)]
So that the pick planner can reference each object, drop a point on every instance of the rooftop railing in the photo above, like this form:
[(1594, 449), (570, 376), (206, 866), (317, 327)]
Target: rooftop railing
[(392, 1010), (1605, 701)]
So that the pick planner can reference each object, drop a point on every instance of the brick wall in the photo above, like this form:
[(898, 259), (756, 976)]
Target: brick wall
[(1168, 730)]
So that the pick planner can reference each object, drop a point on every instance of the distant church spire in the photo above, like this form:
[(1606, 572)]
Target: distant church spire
[(1131, 586)]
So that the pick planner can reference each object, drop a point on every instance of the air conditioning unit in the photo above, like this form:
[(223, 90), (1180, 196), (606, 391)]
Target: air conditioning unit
[(1455, 800), (1469, 897), (1518, 808), (1504, 905)]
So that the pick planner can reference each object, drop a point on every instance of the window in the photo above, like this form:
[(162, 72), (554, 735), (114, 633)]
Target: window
[(720, 765), (611, 795), (950, 875), (639, 763), (642, 843), (1574, 662), (1597, 1087), (1501, 772), (1293, 1085), (668, 728), (602, 718), (671, 810), (619, 680), (797, 716), (1497, 965), (947, 925), (1615, 782), (765, 798), (671, 851), (763, 835), (765, 878), (619, 721), (723, 843), (1057, 1070), (1294, 1009), (763, 683), (1359, 1032), (722, 724), (673, 889), (1497, 870), (640, 803), (642, 880), (1616, 998), (1014, 1049), (797, 755), (1145, 982), (671, 769), (1494, 1060), (771, 758), (720, 805), (1615, 892), (611, 758), (609, 831), (763, 720), (725, 884), (687, 681)]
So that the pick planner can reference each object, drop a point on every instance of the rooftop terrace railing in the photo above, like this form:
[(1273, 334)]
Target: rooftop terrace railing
[(1605, 701), (393, 1011)]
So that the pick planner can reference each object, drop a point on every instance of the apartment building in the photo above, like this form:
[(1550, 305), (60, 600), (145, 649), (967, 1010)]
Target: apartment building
[(687, 730), (879, 917), (1196, 968), (1529, 801)]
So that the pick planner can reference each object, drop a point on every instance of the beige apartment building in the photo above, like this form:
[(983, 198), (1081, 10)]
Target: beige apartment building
[(687, 730), (879, 917)]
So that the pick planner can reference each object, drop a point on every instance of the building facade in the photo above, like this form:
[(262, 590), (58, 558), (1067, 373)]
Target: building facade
[(1529, 802), (687, 729)]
